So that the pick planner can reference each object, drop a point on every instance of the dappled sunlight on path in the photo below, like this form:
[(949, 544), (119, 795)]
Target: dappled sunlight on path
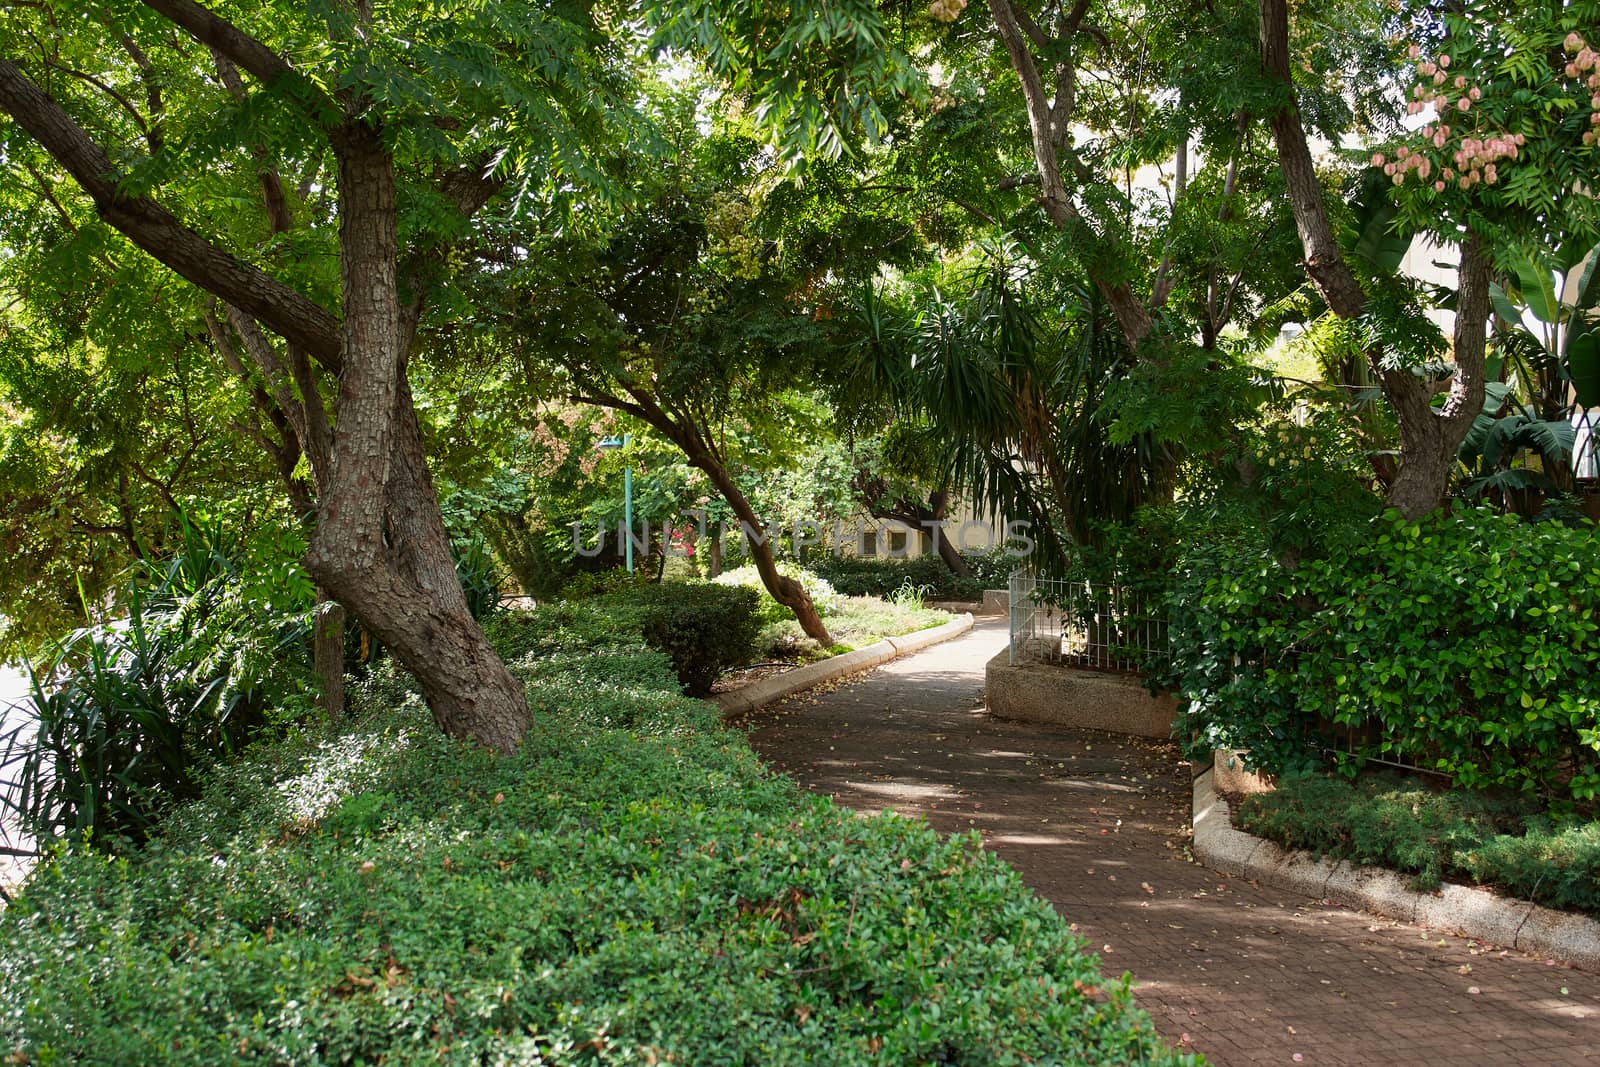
[(1099, 825)]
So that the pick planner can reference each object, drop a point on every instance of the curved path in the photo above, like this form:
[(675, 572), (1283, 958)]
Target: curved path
[(1099, 824)]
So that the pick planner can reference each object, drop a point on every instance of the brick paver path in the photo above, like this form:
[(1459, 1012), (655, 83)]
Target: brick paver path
[(1098, 824)]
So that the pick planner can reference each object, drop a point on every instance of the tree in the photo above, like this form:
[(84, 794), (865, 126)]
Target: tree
[(1509, 137), (381, 135), (683, 317)]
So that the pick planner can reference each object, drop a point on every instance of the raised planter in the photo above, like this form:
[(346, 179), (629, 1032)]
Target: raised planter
[(1065, 696), (779, 686), (1468, 910)]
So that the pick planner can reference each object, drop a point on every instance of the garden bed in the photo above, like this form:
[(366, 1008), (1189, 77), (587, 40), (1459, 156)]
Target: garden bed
[(1512, 846), (631, 887)]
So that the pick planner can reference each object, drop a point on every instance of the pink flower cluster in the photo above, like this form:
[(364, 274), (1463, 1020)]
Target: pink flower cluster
[(1586, 65), (1468, 154)]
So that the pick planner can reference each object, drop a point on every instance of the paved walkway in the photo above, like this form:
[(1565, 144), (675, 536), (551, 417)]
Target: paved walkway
[(1098, 824)]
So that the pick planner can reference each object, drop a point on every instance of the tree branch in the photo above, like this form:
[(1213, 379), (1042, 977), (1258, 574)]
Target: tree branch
[(1324, 262), (156, 230), (267, 66)]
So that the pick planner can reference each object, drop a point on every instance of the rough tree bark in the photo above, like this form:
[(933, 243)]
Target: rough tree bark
[(1429, 436), (380, 547), (327, 654)]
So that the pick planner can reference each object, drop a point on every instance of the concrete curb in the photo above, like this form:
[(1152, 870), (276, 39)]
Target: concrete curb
[(1467, 910), (768, 690)]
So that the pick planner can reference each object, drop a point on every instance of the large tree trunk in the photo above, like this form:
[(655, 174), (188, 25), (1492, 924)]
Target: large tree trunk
[(380, 545), (1430, 437)]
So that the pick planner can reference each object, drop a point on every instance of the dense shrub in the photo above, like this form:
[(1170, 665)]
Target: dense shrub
[(1467, 641), (1464, 836), (630, 887), (880, 577), (705, 629)]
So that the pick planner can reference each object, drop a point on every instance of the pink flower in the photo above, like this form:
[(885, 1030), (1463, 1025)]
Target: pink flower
[(1413, 51), (1424, 168), (1399, 179), (1426, 69), (1414, 108), (1438, 79), (1438, 187), (1461, 81), (1444, 60), (1572, 70), (1402, 152), (1572, 43), (1475, 93), (1438, 139), (1389, 169), (1520, 139), (1448, 174), (1489, 174), (1377, 159), (1464, 104)]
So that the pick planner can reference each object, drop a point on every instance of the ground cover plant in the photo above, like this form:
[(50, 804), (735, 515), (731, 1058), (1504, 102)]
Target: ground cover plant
[(630, 886), (1508, 844)]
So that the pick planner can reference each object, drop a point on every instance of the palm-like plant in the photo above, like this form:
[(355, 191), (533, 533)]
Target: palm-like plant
[(1015, 388), (126, 714)]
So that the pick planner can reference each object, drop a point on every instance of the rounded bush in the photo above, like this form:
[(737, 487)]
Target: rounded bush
[(705, 628)]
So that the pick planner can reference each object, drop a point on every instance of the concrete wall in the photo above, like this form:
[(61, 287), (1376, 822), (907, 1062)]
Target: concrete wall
[(1043, 692)]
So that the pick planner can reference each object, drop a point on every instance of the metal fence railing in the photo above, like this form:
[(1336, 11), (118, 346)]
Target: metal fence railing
[(1093, 625)]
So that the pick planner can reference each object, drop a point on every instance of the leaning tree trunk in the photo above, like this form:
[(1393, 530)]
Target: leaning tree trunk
[(380, 546), (785, 590)]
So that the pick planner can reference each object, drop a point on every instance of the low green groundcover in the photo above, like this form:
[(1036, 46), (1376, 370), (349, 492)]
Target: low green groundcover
[(1434, 835), (633, 887)]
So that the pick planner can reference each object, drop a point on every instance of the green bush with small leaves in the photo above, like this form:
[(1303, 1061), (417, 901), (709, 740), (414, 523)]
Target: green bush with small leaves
[(630, 887), (705, 628), (1434, 835), (1469, 642)]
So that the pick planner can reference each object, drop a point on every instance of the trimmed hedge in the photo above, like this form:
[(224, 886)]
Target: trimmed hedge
[(1463, 836), (705, 629), (631, 887)]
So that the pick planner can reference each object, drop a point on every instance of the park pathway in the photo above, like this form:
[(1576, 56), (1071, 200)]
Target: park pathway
[(1099, 825)]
